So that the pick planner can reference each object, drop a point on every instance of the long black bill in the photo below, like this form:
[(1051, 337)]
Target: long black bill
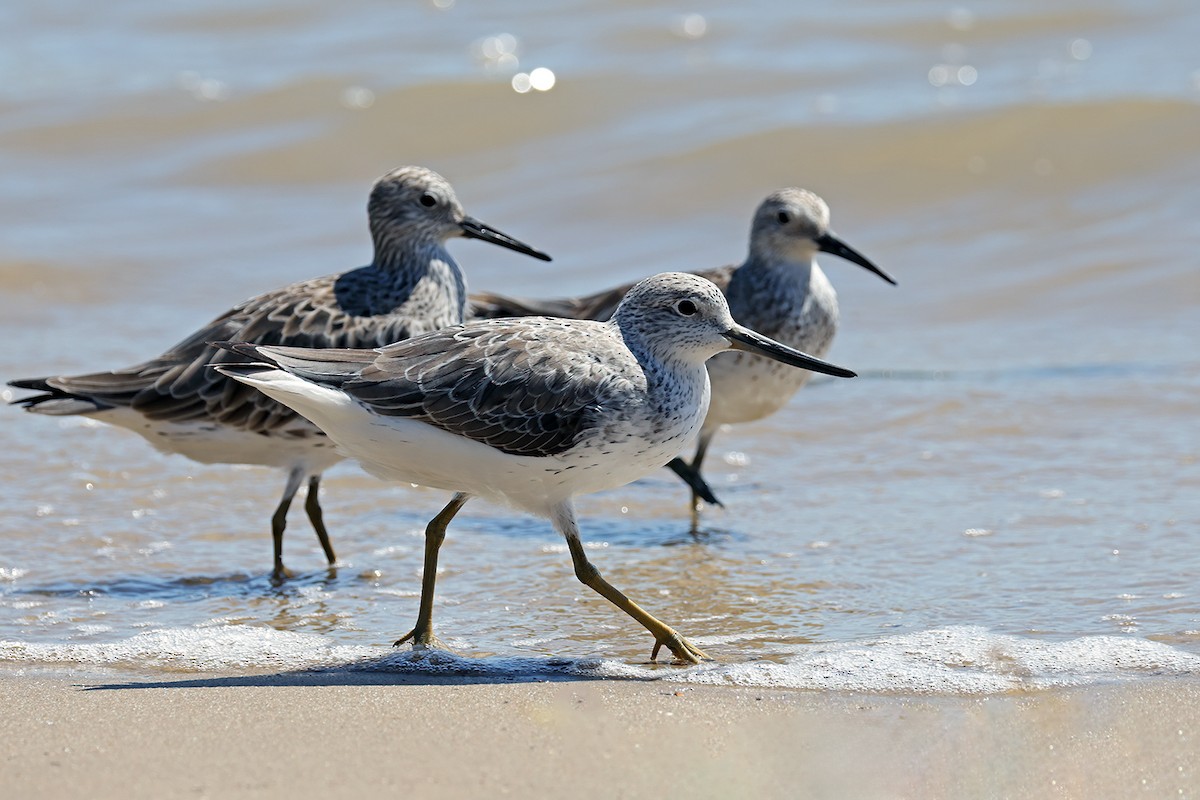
[(829, 243), (745, 339), (474, 229)]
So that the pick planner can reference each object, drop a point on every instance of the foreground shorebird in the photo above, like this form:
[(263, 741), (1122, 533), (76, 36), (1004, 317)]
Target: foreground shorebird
[(529, 412), (778, 291), (412, 286)]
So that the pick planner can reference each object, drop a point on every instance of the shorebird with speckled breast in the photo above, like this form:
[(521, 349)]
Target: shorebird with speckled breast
[(411, 286), (528, 412), (779, 291)]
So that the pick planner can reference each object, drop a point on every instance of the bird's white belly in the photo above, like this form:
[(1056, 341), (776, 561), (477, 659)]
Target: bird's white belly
[(401, 449), (210, 443)]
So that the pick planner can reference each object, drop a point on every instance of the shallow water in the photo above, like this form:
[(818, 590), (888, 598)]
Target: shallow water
[(1007, 497)]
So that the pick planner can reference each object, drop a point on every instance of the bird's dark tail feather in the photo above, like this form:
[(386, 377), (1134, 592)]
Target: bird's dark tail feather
[(60, 402), (36, 384), (243, 349)]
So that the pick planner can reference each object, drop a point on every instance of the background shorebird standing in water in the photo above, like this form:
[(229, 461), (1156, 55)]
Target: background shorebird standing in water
[(528, 412), (411, 286), (779, 291)]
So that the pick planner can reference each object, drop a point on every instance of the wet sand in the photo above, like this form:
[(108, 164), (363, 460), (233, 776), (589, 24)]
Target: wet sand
[(347, 734)]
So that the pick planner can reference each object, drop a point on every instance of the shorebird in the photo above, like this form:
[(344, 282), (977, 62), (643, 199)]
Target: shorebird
[(528, 412), (779, 290), (411, 286)]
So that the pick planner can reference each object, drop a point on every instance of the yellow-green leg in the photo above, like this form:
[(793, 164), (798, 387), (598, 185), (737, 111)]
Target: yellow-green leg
[(435, 533), (587, 573)]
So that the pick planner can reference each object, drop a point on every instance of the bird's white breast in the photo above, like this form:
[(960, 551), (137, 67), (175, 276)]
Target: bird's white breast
[(747, 387)]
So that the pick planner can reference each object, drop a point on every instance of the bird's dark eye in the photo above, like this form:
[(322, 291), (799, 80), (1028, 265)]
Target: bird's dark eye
[(686, 308), (784, 217), (428, 200)]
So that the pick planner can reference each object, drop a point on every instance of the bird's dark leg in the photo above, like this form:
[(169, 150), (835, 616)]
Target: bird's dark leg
[(312, 504), (690, 474), (700, 488), (702, 444), (683, 650), (279, 522), (435, 533), (705, 439)]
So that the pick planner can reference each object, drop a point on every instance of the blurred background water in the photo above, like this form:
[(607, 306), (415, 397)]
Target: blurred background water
[(1017, 467)]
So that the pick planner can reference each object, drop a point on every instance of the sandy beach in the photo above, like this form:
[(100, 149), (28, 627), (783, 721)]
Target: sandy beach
[(342, 735)]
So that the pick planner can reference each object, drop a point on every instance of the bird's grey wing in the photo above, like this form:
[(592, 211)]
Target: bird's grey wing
[(178, 386), (520, 387), (488, 305), (720, 276), (599, 306)]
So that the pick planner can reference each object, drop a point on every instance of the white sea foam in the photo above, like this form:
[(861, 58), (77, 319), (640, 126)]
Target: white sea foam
[(225, 647), (961, 660), (957, 661)]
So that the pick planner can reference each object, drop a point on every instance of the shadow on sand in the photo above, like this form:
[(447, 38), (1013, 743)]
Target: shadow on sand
[(423, 668)]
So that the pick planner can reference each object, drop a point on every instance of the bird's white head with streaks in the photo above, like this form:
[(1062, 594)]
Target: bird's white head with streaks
[(413, 204), (679, 317), (675, 315), (788, 226), (414, 208)]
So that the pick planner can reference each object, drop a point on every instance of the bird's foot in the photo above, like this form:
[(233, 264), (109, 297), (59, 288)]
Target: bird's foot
[(281, 573), (422, 638), (684, 651), (701, 491)]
